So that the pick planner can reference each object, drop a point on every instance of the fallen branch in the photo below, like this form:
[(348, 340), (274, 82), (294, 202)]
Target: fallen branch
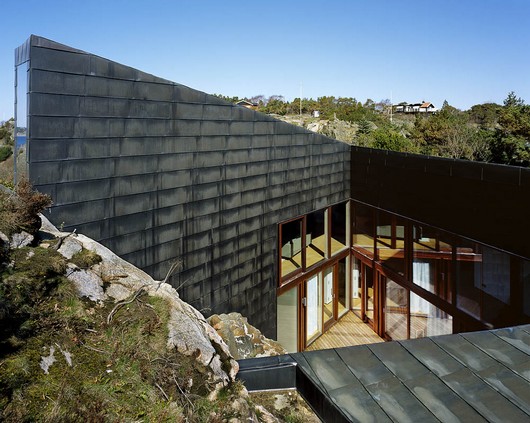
[(174, 266), (88, 347), (161, 390), (119, 305)]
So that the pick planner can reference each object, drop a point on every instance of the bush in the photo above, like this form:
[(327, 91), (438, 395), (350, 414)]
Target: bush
[(85, 259), (20, 210), (5, 152)]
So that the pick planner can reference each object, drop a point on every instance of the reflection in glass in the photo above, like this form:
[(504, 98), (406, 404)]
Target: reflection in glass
[(328, 294), (432, 258), (313, 309), (396, 310), (468, 277), (495, 286), (316, 239), (342, 286), (363, 228), (338, 228), (287, 319), (291, 236), (356, 286), (427, 319), (369, 288), (390, 243), (21, 116), (525, 280)]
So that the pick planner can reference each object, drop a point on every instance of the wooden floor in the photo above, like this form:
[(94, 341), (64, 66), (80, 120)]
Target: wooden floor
[(348, 331)]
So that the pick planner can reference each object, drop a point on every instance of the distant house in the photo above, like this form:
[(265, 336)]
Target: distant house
[(315, 113), (423, 107), (247, 104), (427, 107)]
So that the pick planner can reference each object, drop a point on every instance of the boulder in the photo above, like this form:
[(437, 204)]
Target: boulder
[(189, 332), (243, 339), (21, 239)]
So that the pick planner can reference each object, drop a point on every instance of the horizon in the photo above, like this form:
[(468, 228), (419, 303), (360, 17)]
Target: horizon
[(464, 52)]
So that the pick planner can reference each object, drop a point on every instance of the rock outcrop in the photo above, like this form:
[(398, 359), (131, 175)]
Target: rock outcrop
[(116, 279), (243, 339)]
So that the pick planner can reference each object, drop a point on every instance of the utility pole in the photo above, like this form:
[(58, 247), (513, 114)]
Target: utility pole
[(301, 103), (391, 106)]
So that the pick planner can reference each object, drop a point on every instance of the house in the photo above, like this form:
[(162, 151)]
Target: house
[(293, 229), (247, 104), (288, 227), (423, 107)]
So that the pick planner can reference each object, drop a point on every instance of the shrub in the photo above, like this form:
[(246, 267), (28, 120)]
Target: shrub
[(85, 258), (5, 152), (20, 210)]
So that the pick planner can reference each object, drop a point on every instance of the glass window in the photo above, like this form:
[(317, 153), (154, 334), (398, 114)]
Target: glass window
[(495, 287), (525, 280), (432, 260), (287, 320), (328, 294), (356, 291), (291, 251), (468, 277), (369, 287), (313, 305), (316, 239), (342, 287), (338, 228), (21, 124), (363, 228), (427, 319), (391, 241), (396, 310)]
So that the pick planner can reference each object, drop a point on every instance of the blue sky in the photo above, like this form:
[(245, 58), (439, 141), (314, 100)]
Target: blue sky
[(463, 51)]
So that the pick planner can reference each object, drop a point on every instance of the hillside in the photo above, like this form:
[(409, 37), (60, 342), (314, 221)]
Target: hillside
[(86, 336)]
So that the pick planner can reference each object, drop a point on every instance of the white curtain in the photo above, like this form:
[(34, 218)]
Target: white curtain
[(312, 306), (356, 284), (421, 273), (328, 286)]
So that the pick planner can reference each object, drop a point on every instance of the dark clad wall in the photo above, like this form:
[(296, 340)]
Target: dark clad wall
[(486, 202), (157, 171)]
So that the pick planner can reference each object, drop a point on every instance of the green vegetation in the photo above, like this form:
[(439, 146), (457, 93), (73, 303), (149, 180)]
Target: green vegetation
[(5, 152), (486, 132), (19, 210), (6, 133), (67, 359), (85, 259)]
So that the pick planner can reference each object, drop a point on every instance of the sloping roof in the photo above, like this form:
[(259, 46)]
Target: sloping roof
[(480, 376), (426, 104)]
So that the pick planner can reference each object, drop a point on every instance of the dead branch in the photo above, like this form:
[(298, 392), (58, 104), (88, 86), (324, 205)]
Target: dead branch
[(174, 266), (119, 305)]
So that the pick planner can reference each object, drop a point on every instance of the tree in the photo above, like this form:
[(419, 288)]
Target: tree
[(512, 100)]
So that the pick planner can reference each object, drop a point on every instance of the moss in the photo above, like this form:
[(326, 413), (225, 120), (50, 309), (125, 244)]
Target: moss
[(120, 371), (85, 258)]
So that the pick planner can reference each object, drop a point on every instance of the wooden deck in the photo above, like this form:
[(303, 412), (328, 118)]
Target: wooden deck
[(348, 331)]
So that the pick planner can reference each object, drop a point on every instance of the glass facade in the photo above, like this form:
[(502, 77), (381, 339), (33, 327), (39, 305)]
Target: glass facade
[(291, 247), (287, 319), (427, 320), (21, 120), (404, 278)]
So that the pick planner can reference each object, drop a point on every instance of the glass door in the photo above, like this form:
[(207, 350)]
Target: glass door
[(357, 292), (396, 317), (369, 294), (313, 309), (329, 297)]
